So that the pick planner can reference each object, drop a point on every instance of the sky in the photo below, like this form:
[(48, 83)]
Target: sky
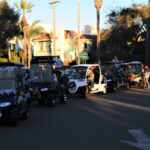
[(67, 12)]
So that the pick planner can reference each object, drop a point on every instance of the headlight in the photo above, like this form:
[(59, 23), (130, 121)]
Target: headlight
[(44, 89), (109, 80), (30, 89), (5, 104)]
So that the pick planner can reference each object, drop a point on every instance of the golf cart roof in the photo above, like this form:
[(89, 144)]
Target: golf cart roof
[(135, 62), (42, 59), (11, 64), (112, 62), (132, 63), (85, 65)]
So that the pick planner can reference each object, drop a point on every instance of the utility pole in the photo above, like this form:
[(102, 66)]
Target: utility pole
[(98, 4), (53, 3), (147, 48), (78, 55)]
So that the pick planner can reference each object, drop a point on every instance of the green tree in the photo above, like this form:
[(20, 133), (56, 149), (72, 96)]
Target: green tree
[(145, 13), (33, 31), (9, 26), (24, 7), (127, 33)]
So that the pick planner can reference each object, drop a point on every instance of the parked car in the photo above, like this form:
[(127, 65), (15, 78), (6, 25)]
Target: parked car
[(79, 82), (134, 72), (13, 94), (43, 86), (114, 75)]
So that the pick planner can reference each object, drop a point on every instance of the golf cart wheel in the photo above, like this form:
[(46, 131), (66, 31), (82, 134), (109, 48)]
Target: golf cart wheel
[(63, 99), (13, 117), (51, 103), (39, 101), (105, 91), (72, 87), (24, 116), (113, 88), (141, 85), (85, 91)]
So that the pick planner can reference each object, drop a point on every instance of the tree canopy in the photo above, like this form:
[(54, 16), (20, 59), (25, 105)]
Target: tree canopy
[(126, 36), (9, 26)]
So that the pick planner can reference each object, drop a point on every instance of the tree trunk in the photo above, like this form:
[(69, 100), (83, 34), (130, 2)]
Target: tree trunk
[(29, 52)]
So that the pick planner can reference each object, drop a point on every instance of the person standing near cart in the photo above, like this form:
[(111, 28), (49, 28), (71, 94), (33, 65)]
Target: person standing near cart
[(147, 76)]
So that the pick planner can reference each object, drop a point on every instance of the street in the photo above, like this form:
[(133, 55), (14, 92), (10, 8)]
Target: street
[(115, 121)]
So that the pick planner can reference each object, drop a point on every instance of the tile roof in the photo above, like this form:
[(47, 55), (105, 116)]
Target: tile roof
[(43, 38), (67, 34)]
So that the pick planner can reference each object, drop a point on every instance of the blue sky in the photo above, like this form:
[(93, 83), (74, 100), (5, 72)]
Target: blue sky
[(66, 11)]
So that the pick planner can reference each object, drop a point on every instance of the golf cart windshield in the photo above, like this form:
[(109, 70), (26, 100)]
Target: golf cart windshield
[(78, 72), (40, 72), (7, 79), (134, 69)]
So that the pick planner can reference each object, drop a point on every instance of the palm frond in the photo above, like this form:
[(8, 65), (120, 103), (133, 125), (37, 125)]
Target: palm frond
[(16, 5), (35, 30), (35, 23), (29, 7), (23, 5)]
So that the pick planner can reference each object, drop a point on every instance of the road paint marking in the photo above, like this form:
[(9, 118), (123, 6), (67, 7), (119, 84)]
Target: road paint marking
[(143, 141)]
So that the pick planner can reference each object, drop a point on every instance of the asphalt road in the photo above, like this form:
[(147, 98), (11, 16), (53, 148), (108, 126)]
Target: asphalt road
[(101, 122)]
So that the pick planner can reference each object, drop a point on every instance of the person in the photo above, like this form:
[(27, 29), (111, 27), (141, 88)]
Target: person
[(115, 59), (54, 78), (146, 76), (90, 77)]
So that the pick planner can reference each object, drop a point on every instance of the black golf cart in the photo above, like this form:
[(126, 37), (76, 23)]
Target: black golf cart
[(114, 75), (13, 94), (43, 86), (135, 73)]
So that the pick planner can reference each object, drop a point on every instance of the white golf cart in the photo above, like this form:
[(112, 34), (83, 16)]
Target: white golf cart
[(79, 83)]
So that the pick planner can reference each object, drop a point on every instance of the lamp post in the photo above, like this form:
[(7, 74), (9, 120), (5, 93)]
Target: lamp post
[(78, 52), (53, 3), (98, 4), (24, 26)]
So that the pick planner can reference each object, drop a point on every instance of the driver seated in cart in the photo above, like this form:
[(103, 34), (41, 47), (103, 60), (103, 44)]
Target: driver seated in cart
[(90, 77), (54, 77)]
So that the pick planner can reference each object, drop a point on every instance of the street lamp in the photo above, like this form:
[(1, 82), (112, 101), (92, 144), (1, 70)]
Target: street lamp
[(78, 55), (24, 27), (98, 4), (53, 3)]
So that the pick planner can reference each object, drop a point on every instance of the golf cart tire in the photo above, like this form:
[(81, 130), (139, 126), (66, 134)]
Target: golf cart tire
[(85, 91), (63, 99), (104, 92), (141, 85), (72, 87), (13, 117), (24, 116), (51, 103)]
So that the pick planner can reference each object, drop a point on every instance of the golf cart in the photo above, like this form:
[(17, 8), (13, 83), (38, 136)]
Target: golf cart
[(13, 94), (43, 86), (79, 83), (134, 73), (114, 75)]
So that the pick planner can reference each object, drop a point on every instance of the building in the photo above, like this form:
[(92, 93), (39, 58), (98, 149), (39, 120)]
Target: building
[(66, 45)]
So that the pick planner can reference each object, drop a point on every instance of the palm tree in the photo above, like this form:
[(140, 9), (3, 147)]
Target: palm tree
[(98, 4), (33, 31), (24, 7)]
